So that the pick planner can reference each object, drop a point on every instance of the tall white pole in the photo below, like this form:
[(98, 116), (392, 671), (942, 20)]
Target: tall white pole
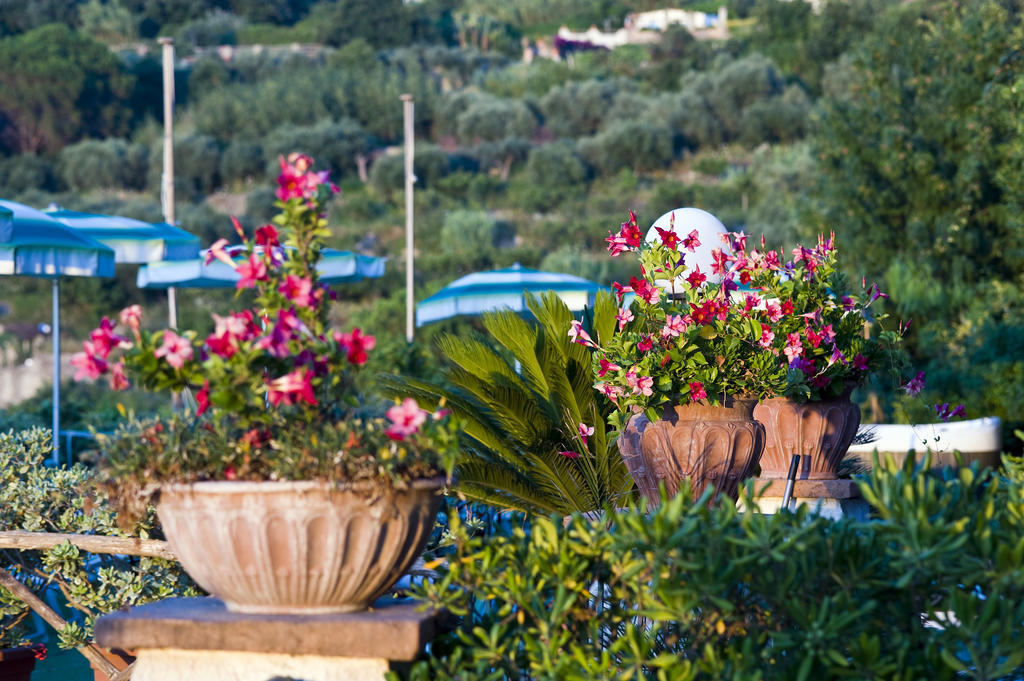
[(167, 180), (56, 371), (410, 178)]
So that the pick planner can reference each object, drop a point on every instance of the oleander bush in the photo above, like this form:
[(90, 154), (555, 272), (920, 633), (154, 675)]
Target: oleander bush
[(931, 588), (35, 498)]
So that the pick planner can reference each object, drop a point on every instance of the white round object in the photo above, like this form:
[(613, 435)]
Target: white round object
[(709, 232)]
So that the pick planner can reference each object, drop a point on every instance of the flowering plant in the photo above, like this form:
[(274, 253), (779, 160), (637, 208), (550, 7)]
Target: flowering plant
[(683, 338), (273, 387), (820, 324)]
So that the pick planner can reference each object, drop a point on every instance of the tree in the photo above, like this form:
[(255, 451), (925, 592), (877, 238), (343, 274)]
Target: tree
[(58, 87), (382, 23), (103, 164)]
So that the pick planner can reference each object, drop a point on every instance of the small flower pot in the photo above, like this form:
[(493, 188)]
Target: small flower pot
[(696, 442), (297, 547), (820, 432), (16, 664)]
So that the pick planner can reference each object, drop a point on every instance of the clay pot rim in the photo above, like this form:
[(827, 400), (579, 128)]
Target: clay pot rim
[(299, 486)]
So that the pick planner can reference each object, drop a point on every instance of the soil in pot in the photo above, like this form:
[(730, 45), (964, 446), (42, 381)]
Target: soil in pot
[(702, 443)]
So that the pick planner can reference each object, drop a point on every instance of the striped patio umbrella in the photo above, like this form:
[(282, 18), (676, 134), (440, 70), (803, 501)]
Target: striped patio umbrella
[(503, 289), (133, 241), (335, 267), (32, 244)]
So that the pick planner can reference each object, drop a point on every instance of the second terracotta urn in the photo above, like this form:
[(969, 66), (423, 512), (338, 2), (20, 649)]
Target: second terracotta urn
[(820, 432), (705, 444)]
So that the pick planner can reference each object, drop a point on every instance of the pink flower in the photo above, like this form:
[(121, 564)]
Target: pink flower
[(645, 290), (406, 419), (767, 337), (118, 380), (773, 311), (88, 363), (620, 290), (793, 347), (828, 333), (291, 388), (276, 342), (697, 391), (612, 392), (175, 349), (696, 278), (569, 454), (674, 326), (298, 290), (719, 261), (217, 252), (623, 316), (104, 339), (945, 413), (631, 232), (295, 182), (860, 362), (750, 301), (607, 366), (645, 344), (357, 345), (131, 317), (203, 399), (914, 386), (691, 242), (738, 241), (585, 431), (837, 356), (251, 271), (578, 335), (616, 245)]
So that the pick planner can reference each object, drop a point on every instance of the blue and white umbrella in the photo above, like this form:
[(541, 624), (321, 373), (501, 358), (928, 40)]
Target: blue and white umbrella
[(504, 289), (133, 241), (32, 244), (335, 267)]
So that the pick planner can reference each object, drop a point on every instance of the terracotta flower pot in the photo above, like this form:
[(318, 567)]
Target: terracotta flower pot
[(820, 432), (705, 444), (297, 547), (16, 664)]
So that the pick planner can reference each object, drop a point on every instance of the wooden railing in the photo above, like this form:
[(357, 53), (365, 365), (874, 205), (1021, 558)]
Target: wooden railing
[(127, 546)]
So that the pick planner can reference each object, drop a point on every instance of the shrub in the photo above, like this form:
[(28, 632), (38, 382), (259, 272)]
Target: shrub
[(469, 232), (242, 161), (335, 144), (931, 589), (429, 165), (24, 173), (103, 164), (39, 499), (555, 165), (634, 145)]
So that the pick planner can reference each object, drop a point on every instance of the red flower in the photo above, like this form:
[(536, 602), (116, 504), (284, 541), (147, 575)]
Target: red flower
[(696, 277), (299, 290), (118, 380), (645, 290), (570, 454), (704, 314), (787, 307), (266, 236), (357, 345), (697, 391), (203, 399), (291, 389), (104, 339), (251, 271), (669, 238)]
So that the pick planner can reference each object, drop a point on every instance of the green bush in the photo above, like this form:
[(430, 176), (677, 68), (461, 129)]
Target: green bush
[(430, 164), (930, 589), (242, 161), (35, 498), (633, 145), (24, 173), (103, 164), (334, 144)]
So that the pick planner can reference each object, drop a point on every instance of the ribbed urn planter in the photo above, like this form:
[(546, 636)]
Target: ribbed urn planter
[(297, 547), (702, 443), (16, 664), (820, 432)]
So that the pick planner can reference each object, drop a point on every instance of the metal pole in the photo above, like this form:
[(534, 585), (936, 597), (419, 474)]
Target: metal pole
[(787, 495), (167, 180), (410, 178), (56, 371)]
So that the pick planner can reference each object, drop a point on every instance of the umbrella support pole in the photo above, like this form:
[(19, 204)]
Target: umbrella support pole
[(56, 372), (172, 309)]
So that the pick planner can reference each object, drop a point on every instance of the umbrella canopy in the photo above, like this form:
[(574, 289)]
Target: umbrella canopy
[(33, 244), (482, 292), (133, 241), (334, 267)]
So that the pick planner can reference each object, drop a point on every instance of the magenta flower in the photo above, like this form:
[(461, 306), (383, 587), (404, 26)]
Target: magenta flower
[(697, 391), (266, 236), (821, 381), (738, 240), (623, 316), (645, 344), (837, 356), (914, 386), (945, 413), (578, 335), (175, 349), (406, 418), (607, 366), (773, 311), (645, 290), (585, 431), (299, 290), (569, 454), (767, 337), (696, 278), (217, 252), (88, 363), (669, 239), (814, 337), (803, 364), (203, 399), (860, 362), (616, 245), (719, 261), (251, 271), (357, 345), (131, 317), (793, 347), (291, 388), (104, 339)]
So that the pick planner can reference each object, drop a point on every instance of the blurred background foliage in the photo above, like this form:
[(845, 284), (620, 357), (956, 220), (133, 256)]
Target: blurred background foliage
[(898, 125)]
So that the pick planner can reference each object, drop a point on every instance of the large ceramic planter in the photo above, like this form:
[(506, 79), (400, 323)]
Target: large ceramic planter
[(16, 664), (297, 547), (820, 432), (702, 443)]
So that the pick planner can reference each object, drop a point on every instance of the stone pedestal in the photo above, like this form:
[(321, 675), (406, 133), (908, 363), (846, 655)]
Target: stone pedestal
[(197, 639), (828, 498)]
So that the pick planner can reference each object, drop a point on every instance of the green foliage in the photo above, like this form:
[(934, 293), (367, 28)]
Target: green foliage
[(383, 23), (430, 164), (523, 394), (23, 173), (110, 163), (636, 145), (491, 119), (242, 161), (59, 86), (466, 231), (335, 143), (35, 498), (932, 589)]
